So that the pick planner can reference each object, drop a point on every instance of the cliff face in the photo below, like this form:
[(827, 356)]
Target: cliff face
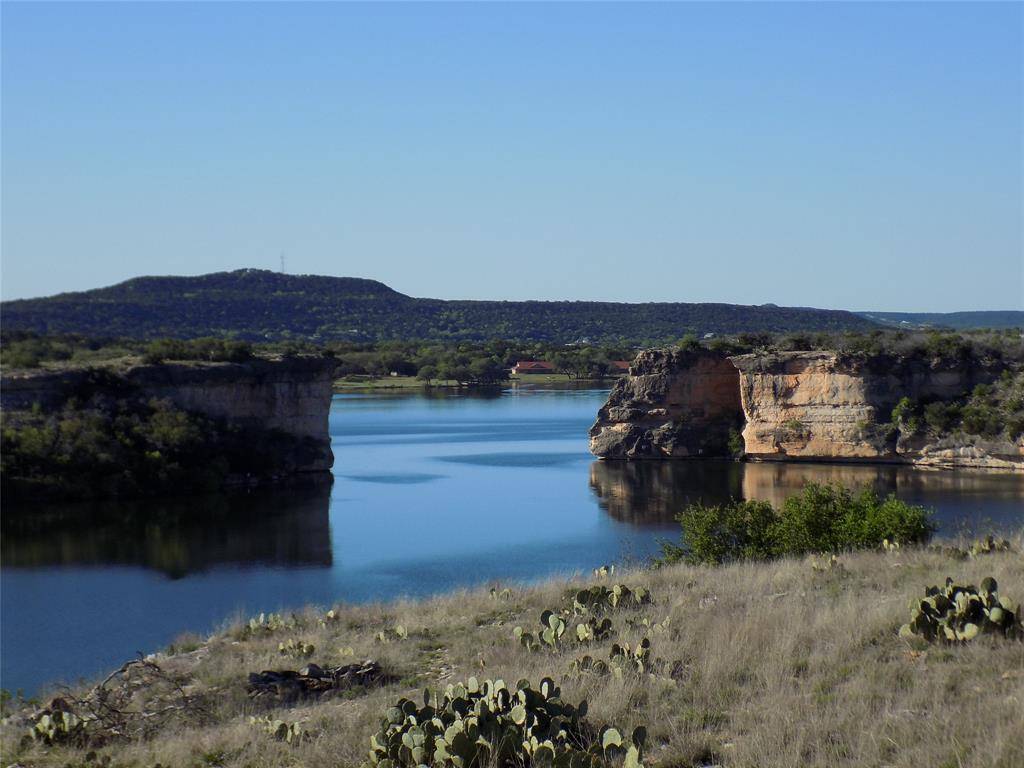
[(672, 404), (291, 396), (793, 406), (805, 405)]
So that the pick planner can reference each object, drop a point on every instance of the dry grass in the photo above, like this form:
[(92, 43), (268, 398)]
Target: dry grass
[(779, 665)]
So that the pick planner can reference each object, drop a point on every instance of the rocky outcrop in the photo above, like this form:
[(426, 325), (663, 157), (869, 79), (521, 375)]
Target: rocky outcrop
[(805, 405), (673, 404), (290, 396), (965, 451), (820, 405), (815, 406)]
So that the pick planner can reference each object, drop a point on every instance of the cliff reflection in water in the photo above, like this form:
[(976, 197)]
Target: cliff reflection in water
[(652, 493), (175, 536)]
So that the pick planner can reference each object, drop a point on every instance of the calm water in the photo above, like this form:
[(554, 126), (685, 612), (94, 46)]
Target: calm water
[(429, 494)]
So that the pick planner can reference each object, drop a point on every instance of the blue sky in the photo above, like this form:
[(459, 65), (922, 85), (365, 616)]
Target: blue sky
[(860, 156)]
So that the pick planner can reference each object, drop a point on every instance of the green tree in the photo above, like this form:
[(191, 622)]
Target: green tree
[(427, 373)]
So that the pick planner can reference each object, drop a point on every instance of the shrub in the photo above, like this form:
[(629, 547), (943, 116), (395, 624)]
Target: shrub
[(213, 350), (822, 518), (989, 410), (905, 416), (941, 417), (742, 530), (735, 443), (829, 518)]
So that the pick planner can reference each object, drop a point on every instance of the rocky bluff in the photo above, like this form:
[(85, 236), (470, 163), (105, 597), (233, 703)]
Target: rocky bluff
[(288, 397), (813, 406)]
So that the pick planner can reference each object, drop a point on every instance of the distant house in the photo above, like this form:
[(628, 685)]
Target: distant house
[(533, 366), (619, 366)]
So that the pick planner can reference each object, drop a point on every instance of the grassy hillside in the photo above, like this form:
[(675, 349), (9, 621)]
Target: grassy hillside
[(758, 664), (258, 304)]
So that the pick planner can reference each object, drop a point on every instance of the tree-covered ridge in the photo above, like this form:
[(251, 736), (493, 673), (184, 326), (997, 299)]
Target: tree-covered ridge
[(261, 305), (1010, 318), (480, 361)]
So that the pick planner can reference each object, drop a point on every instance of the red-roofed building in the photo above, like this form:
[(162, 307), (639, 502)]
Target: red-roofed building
[(619, 366), (533, 366)]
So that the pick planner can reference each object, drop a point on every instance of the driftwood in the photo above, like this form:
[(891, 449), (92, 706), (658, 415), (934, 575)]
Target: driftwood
[(133, 702), (313, 681)]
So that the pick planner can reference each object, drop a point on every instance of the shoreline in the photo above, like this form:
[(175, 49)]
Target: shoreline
[(412, 384), (812, 657)]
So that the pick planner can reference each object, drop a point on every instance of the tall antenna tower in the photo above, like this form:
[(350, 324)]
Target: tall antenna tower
[(282, 262)]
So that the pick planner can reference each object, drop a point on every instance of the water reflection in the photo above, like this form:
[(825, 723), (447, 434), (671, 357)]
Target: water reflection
[(430, 493), (176, 537), (653, 493), (648, 493)]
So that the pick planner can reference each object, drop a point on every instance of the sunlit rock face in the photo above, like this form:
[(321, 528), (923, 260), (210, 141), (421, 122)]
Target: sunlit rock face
[(788, 406), (673, 404), (803, 404), (821, 406)]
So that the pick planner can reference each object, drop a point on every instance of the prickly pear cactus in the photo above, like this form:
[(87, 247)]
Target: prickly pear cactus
[(395, 634), (588, 665), (644, 624), (959, 613), (554, 628), (598, 599), (296, 649), (489, 724), (292, 733), (267, 623), (58, 727), (526, 639), (988, 545), (550, 634), (624, 657), (593, 630), (329, 618)]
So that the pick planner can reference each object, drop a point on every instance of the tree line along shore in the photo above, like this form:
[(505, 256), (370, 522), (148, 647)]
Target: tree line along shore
[(106, 439)]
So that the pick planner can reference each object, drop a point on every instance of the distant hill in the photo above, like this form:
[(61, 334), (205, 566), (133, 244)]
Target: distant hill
[(960, 321), (258, 304)]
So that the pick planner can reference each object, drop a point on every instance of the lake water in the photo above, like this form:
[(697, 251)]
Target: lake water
[(429, 493)]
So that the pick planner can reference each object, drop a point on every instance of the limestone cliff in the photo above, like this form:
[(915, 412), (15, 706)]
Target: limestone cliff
[(673, 403), (286, 397), (817, 406)]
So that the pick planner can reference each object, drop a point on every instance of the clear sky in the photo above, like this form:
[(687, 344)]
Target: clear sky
[(859, 156)]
